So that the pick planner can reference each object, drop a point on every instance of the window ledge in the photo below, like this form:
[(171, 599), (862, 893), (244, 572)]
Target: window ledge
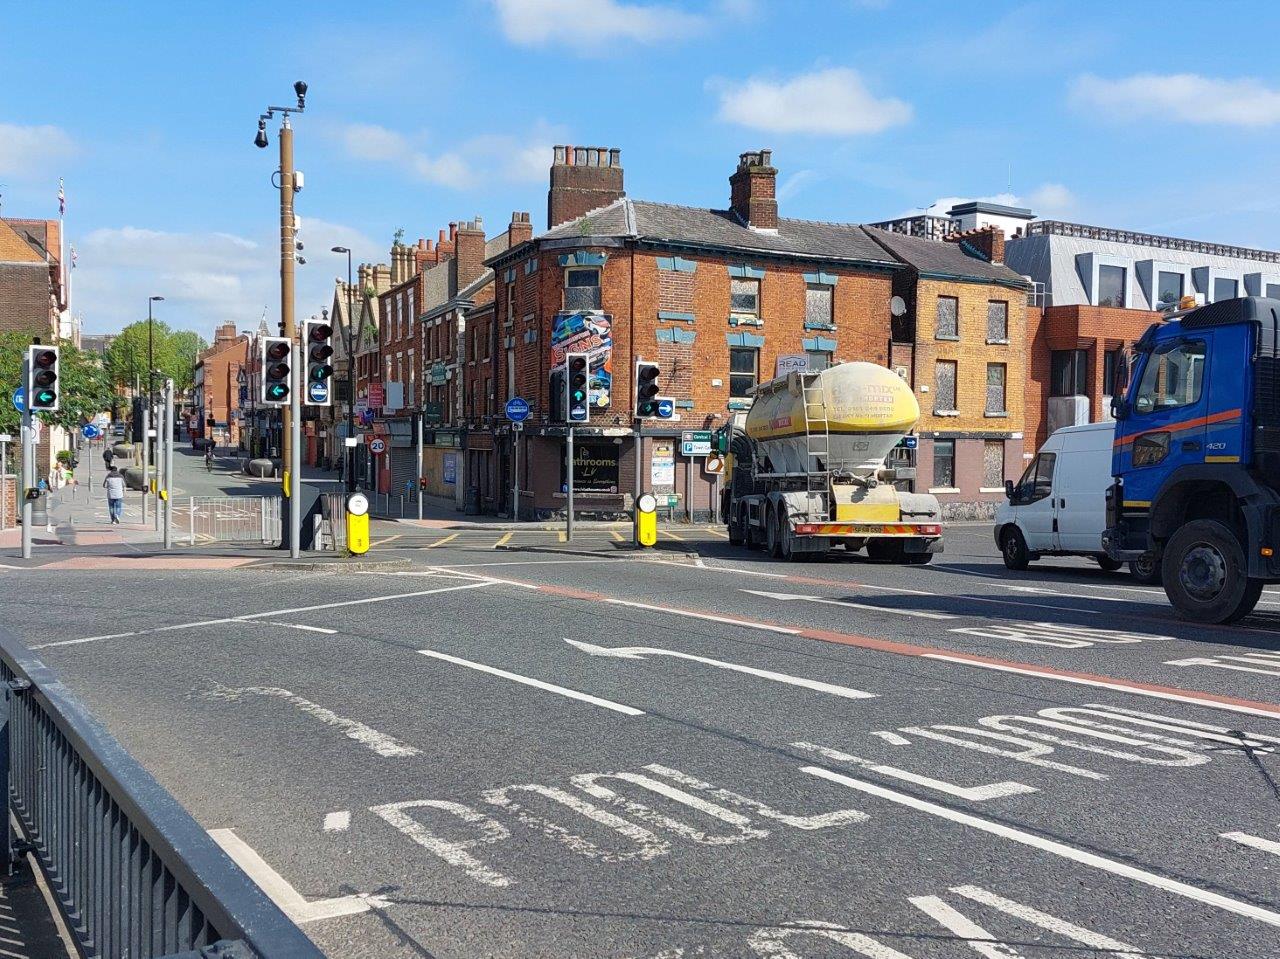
[(825, 327), (943, 489), (946, 412), (990, 489), (949, 339), (745, 321), (996, 416), (997, 342)]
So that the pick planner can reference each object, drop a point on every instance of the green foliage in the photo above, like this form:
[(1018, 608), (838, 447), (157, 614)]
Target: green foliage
[(83, 386), (174, 352)]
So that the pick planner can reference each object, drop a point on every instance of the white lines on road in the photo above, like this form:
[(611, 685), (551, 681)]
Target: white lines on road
[(366, 736), (1254, 842), (1053, 847), (1258, 662), (639, 652), (976, 599), (972, 793), (279, 890), (893, 739), (713, 617), (274, 612), (337, 821), (919, 614), (302, 626), (536, 683)]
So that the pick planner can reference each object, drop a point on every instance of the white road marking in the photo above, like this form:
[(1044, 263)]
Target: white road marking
[(971, 793), (1053, 592), (453, 852), (303, 626), (893, 739), (367, 736), (1062, 850), (770, 943), (1057, 635), (974, 599), (639, 652), (691, 614), (825, 820), (961, 926), (1102, 684), (920, 614), (1254, 842), (1267, 664), (536, 683), (337, 821), (274, 612), (279, 890), (1087, 937)]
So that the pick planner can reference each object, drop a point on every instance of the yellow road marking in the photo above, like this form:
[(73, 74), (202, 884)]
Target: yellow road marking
[(441, 542), (672, 535), (618, 536), (387, 540), (503, 540), (562, 537), (717, 532)]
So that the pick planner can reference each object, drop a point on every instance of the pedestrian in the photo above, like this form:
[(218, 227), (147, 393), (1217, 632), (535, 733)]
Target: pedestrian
[(59, 475), (108, 456), (114, 484)]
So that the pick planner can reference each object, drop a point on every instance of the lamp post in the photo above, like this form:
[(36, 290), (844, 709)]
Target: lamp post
[(349, 450), (146, 407)]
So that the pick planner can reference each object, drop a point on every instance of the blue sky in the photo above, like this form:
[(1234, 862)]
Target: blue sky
[(1157, 116)]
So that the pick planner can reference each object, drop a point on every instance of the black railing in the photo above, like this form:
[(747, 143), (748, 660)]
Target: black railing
[(1110, 235), (133, 873)]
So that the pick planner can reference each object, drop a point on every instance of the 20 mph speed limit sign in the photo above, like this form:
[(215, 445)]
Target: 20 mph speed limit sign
[(378, 446)]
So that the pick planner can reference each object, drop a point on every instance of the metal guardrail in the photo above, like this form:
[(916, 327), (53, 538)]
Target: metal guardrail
[(228, 519), (1085, 232), (134, 874)]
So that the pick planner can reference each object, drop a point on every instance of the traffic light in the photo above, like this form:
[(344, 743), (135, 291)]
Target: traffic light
[(577, 407), (646, 389), (277, 370), (317, 336), (42, 379)]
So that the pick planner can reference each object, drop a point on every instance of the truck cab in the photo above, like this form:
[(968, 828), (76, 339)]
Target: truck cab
[(1196, 456)]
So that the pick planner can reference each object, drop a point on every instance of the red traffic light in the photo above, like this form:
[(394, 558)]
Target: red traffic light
[(45, 358), (278, 351), (320, 332)]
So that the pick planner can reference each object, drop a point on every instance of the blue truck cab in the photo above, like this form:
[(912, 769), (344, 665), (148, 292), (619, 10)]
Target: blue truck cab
[(1196, 456)]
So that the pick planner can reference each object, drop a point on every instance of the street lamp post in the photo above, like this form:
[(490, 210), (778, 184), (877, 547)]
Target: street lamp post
[(349, 451), (146, 408)]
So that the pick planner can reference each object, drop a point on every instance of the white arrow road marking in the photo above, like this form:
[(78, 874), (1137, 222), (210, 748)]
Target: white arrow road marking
[(921, 614), (639, 652), (1255, 842), (337, 821), (536, 683), (1185, 890), (1266, 663), (280, 892)]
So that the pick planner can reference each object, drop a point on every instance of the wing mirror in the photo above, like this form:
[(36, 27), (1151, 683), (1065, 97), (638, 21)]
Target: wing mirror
[(1009, 490)]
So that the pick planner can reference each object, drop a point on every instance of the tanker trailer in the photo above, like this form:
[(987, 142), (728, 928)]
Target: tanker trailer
[(806, 468)]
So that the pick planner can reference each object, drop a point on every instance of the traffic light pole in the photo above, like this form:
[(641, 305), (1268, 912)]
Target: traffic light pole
[(293, 461), (568, 516), (639, 488), (146, 455), (28, 465), (168, 463)]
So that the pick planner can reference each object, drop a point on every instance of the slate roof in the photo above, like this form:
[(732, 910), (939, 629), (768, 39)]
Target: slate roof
[(664, 223), (937, 258)]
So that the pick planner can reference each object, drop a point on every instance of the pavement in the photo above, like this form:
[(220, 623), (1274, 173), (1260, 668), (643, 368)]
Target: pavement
[(531, 748)]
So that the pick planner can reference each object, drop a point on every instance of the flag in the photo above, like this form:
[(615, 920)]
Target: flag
[(62, 198), (73, 258)]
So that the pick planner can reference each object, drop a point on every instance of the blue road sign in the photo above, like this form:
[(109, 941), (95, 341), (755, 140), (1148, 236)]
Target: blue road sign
[(517, 409), (90, 432), (318, 392), (20, 399), (666, 409), (910, 442)]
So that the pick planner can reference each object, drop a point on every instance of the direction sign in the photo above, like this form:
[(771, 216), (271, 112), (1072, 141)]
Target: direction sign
[(20, 399), (90, 431), (695, 443), (378, 446), (909, 442), (517, 409), (666, 408), (318, 391)]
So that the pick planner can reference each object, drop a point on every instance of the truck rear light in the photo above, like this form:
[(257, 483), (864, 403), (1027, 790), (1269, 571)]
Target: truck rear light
[(930, 529), (1267, 551)]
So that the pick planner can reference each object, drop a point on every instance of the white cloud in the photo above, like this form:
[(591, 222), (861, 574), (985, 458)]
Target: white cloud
[(795, 184), (834, 102), (587, 25), (1182, 97), (30, 151), (205, 278), (1051, 198)]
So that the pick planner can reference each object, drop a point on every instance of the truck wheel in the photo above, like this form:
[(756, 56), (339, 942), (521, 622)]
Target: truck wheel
[(786, 552), (736, 537), (1204, 574), (1146, 570), (773, 545), (1108, 564), (1014, 549)]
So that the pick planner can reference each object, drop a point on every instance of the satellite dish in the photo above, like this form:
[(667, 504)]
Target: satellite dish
[(898, 306)]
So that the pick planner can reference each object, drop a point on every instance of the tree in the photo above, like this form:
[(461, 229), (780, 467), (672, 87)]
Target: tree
[(174, 352), (83, 387)]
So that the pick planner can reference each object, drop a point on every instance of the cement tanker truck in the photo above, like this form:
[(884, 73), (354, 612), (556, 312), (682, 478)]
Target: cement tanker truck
[(805, 468)]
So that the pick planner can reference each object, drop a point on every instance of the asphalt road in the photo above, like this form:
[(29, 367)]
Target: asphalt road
[(534, 752)]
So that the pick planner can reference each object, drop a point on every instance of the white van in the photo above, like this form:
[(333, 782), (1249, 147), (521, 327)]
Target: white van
[(1059, 507)]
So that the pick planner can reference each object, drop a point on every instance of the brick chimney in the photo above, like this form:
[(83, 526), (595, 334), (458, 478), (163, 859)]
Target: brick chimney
[(519, 230), (582, 179), (985, 243), (752, 190), (225, 334), (469, 253)]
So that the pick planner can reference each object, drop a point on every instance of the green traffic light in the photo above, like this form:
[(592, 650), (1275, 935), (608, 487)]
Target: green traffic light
[(45, 397), (277, 391)]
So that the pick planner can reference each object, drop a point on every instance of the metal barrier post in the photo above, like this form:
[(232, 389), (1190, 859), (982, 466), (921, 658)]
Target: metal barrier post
[(262, 515), (191, 501), (4, 777)]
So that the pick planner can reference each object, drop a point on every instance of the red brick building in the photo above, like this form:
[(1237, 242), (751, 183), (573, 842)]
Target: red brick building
[(216, 389), (715, 296)]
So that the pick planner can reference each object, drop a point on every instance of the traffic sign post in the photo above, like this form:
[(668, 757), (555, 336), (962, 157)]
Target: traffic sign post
[(695, 443), (517, 413)]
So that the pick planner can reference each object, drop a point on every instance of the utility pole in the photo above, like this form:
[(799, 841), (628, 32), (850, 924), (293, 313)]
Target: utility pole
[(28, 463), (287, 234), (568, 517)]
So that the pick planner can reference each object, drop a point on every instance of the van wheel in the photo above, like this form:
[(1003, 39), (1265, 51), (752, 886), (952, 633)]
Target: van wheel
[(1014, 549), (1204, 574), (1108, 564), (1146, 570)]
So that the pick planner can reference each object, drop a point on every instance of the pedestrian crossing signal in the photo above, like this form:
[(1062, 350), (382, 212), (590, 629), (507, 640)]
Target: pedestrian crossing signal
[(42, 372), (277, 370), (577, 388)]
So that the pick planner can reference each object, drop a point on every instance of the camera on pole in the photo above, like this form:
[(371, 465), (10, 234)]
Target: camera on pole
[(277, 370)]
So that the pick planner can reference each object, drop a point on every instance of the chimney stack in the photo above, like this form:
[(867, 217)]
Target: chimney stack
[(364, 277), (752, 190), (582, 179), (520, 230), (985, 242), (469, 250)]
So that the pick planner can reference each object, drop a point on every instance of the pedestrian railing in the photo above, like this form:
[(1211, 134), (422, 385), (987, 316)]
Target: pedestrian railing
[(227, 519), (333, 522), (134, 875)]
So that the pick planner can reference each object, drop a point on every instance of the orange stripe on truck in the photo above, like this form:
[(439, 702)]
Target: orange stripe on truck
[(1210, 420)]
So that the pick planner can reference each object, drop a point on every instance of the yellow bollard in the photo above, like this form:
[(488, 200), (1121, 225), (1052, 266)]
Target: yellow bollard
[(646, 520), (357, 523)]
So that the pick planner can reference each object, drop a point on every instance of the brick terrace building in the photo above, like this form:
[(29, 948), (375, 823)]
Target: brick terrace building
[(216, 390), (31, 293), (715, 296), (961, 344)]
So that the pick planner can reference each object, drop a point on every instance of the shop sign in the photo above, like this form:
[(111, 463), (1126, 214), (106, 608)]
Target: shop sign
[(662, 465), (595, 468), (586, 331)]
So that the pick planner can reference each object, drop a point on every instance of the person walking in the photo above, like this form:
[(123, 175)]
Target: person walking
[(108, 456), (114, 484)]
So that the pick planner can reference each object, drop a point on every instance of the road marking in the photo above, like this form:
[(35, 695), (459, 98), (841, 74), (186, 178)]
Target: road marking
[(387, 540), (741, 572), (1087, 937), (1057, 636), (536, 683), (454, 852), (442, 541), (670, 535), (717, 532), (693, 614), (1254, 842), (1269, 662), (893, 739), (274, 612), (367, 736), (975, 599), (562, 537), (618, 536), (337, 821), (971, 793), (310, 629), (961, 926), (279, 890), (503, 540), (639, 652), (1062, 850), (1052, 592), (920, 614)]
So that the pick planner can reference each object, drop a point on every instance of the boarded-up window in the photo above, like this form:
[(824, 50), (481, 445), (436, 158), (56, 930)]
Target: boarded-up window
[(944, 464), (817, 304), (997, 321), (995, 387), (948, 323), (993, 464), (582, 289), (944, 386)]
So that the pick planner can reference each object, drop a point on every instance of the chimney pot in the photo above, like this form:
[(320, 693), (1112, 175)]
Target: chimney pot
[(583, 179), (753, 190)]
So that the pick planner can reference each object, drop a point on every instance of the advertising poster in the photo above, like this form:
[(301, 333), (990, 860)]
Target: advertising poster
[(451, 468), (591, 333), (662, 466), (595, 468)]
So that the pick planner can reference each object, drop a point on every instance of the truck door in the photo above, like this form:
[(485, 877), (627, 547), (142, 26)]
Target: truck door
[(1168, 416)]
